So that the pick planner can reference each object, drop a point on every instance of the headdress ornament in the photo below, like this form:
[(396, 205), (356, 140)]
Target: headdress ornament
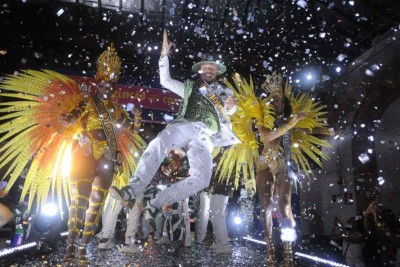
[(108, 65), (273, 84)]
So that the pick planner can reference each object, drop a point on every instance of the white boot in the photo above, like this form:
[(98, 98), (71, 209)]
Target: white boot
[(130, 249), (132, 227), (163, 240), (218, 219), (202, 217), (186, 219), (159, 225), (224, 249), (109, 219), (106, 243)]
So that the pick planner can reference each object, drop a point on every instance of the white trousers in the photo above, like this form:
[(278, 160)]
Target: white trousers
[(132, 227), (203, 215), (110, 217), (218, 213), (183, 134), (186, 219)]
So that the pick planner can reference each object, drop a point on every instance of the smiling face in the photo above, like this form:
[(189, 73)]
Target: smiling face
[(208, 72)]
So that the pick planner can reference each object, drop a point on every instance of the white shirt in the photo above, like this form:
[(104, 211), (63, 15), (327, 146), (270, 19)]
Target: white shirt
[(225, 136)]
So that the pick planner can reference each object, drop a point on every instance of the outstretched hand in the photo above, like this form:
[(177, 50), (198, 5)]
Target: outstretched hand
[(166, 45)]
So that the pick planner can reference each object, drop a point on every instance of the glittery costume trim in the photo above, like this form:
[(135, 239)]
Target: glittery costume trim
[(274, 159)]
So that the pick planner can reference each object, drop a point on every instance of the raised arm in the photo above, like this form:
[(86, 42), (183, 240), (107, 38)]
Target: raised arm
[(174, 86), (269, 136)]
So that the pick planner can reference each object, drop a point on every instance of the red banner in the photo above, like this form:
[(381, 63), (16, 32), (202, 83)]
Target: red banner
[(145, 97)]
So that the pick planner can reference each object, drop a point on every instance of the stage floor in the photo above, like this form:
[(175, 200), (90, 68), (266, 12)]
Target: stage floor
[(244, 253)]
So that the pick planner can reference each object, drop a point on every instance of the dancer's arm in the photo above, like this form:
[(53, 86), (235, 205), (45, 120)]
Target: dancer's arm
[(174, 86), (137, 122), (272, 135), (71, 117)]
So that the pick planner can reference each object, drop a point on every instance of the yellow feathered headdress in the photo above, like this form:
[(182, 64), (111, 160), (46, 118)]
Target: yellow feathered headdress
[(108, 66)]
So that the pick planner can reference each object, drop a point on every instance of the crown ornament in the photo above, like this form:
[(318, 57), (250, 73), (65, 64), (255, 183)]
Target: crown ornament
[(108, 65), (273, 84)]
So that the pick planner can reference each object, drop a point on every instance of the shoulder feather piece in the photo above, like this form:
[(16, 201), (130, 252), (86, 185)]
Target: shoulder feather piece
[(238, 161), (33, 137), (303, 139)]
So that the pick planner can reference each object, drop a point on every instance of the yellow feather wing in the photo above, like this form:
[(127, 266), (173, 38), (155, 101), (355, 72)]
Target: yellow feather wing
[(305, 145), (131, 146), (33, 136), (237, 161)]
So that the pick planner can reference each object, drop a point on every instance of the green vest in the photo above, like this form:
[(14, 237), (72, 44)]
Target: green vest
[(196, 107)]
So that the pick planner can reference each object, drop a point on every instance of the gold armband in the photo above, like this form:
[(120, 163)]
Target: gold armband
[(286, 127)]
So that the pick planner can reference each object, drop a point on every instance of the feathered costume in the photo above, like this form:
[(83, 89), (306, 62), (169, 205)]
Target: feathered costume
[(34, 137), (255, 111)]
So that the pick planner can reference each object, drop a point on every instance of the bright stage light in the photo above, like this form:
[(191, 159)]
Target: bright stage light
[(64, 233), (317, 259), (288, 234), (299, 254), (49, 210), (8, 251), (237, 220), (255, 240)]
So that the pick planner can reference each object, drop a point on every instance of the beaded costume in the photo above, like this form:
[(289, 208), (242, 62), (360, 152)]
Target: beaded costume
[(56, 132), (241, 158), (291, 140)]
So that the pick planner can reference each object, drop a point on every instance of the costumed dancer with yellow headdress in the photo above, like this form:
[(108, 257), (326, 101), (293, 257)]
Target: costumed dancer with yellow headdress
[(286, 123), (75, 144)]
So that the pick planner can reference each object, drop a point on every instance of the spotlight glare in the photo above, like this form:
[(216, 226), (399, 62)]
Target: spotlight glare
[(237, 220), (64, 233), (309, 76), (254, 240), (317, 259), (288, 234), (50, 210), (8, 251)]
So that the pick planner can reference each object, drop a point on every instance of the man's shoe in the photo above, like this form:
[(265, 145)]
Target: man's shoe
[(125, 193), (150, 213), (214, 246), (163, 240), (130, 249), (105, 243), (224, 249)]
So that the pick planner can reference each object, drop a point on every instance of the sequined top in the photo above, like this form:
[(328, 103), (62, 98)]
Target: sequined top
[(97, 145)]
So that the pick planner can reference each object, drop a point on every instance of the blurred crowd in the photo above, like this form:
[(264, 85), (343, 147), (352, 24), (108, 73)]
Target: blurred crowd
[(369, 239)]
